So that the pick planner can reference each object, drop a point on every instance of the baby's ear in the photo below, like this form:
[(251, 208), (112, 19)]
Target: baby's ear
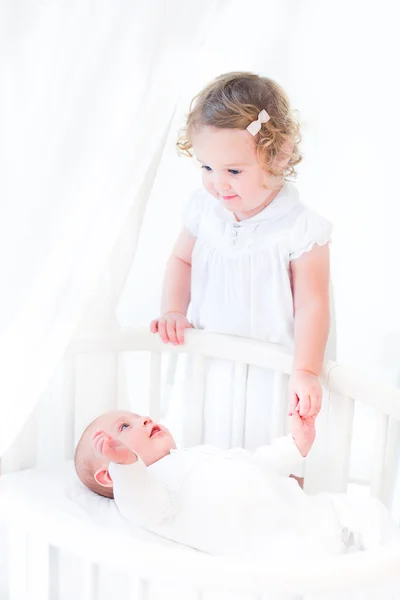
[(284, 155), (102, 476)]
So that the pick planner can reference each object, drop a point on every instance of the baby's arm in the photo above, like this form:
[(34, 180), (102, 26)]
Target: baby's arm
[(140, 496), (310, 275), (176, 291)]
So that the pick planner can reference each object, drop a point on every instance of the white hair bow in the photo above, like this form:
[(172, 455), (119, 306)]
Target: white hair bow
[(255, 126)]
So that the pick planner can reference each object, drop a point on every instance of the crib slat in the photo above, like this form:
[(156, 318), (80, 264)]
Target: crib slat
[(39, 570), (23, 452), (378, 464), (193, 433), (18, 563), (391, 463), (280, 405), (155, 386), (140, 589), (239, 405), (90, 582), (327, 465)]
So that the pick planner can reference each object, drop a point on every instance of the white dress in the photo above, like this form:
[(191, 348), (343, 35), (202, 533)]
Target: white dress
[(241, 286)]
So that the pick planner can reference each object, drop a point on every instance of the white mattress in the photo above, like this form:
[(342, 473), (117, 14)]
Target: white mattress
[(55, 496)]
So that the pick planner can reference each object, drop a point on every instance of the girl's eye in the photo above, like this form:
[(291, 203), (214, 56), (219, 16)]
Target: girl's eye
[(206, 168), (122, 427), (234, 171)]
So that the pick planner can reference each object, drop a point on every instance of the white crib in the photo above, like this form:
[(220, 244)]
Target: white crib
[(46, 535)]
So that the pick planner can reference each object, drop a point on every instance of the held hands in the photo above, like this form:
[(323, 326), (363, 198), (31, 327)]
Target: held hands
[(112, 449), (171, 327), (305, 394), (303, 432)]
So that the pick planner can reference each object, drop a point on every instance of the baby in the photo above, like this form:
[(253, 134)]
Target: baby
[(226, 502)]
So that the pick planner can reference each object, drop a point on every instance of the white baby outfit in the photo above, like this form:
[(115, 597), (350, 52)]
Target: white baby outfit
[(241, 286), (234, 502)]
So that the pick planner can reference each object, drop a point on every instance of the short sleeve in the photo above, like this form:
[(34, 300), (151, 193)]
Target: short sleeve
[(193, 212), (309, 229)]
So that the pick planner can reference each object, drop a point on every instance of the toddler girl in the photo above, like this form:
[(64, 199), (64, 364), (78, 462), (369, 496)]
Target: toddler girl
[(252, 259)]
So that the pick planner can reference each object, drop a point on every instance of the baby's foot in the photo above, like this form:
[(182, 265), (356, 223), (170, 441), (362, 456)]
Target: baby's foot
[(112, 449)]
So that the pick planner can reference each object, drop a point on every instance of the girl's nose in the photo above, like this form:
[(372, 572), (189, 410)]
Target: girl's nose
[(220, 182), (222, 187)]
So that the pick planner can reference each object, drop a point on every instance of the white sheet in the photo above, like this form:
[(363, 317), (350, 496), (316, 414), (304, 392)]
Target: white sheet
[(58, 491)]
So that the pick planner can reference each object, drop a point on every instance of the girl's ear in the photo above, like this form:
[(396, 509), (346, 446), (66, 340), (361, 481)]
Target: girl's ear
[(102, 476), (284, 155)]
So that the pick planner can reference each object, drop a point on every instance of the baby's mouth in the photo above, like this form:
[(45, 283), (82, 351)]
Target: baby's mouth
[(154, 430)]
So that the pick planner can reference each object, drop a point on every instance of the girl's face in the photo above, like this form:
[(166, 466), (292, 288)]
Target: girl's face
[(231, 170)]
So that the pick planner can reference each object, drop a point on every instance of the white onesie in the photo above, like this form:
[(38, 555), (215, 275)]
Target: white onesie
[(233, 502)]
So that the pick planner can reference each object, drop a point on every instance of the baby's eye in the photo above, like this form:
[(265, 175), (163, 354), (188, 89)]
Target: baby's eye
[(123, 425), (234, 171), (206, 168)]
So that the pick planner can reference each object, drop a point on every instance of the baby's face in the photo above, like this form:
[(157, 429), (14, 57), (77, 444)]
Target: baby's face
[(150, 441)]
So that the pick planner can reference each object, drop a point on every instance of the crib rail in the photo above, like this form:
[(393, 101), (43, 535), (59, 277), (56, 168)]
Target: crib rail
[(338, 378)]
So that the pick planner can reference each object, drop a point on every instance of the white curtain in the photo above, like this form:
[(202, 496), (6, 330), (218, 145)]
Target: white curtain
[(88, 93)]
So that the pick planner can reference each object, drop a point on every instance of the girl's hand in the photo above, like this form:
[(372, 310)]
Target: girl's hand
[(171, 327), (112, 449), (303, 432), (305, 394)]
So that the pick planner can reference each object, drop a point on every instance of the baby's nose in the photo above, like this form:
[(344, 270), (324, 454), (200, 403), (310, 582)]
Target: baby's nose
[(145, 421)]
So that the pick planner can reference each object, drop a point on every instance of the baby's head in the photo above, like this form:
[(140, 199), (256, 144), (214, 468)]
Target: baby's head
[(148, 439), (233, 160)]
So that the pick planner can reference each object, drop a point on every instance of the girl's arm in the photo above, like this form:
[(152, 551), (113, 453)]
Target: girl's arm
[(176, 286), (176, 291), (310, 281)]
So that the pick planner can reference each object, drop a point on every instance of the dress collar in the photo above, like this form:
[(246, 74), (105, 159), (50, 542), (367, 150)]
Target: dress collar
[(279, 207)]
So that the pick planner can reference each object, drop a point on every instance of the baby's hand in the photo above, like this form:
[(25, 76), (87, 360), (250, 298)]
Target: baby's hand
[(112, 449), (303, 432), (171, 327), (305, 394)]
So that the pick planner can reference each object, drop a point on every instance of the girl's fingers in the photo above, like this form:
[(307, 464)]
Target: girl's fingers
[(162, 331), (315, 404), (180, 329), (293, 403), (171, 332), (154, 326), (304, 407)]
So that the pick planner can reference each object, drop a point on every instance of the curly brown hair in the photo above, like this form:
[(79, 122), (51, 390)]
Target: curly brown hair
[(233, 100)]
